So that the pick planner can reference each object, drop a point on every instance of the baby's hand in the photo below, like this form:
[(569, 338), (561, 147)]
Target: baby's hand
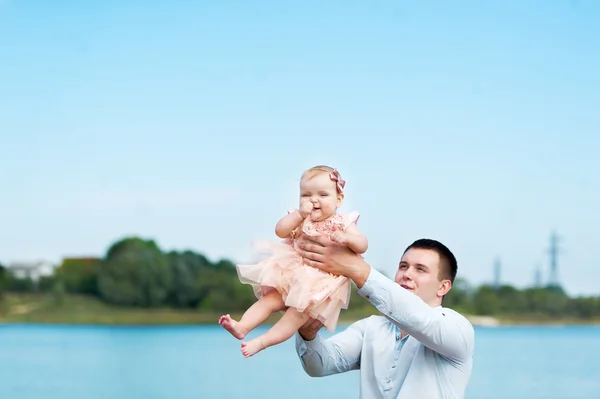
[(306, 209), (340, 237)]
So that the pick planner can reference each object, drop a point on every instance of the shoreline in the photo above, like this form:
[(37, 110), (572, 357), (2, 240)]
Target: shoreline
[(81, 310), (183, 318)]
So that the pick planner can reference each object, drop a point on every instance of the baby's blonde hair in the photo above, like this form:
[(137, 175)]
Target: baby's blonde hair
[(315, 170), (333, 173)]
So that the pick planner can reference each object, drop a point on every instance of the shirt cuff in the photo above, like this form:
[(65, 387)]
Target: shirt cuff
[(376, 283), (304, 347)]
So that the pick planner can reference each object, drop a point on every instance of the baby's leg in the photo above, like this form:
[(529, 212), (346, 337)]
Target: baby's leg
[(254, 316), (284, 329)]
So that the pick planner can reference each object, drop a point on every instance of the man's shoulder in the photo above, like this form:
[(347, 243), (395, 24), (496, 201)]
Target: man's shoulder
[(377, 318), (451, 312), (458, 317)]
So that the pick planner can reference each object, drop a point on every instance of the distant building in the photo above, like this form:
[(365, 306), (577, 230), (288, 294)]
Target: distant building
[(33, 270), (497, 273)]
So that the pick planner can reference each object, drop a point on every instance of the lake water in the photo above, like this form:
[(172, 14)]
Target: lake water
[(81, 362)]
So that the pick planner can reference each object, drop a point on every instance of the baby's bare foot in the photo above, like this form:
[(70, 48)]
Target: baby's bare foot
[(252, 347), (233, 327)]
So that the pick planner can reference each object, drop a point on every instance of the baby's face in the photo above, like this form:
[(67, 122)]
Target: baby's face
[(322, 192)]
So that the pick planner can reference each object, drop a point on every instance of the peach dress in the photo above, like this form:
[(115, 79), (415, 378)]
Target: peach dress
[(321, 295)]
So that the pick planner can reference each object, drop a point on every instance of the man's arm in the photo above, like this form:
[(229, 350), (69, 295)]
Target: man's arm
[(445, 332), (337, 354)]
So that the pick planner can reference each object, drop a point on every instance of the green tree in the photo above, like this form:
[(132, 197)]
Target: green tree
[(2, 280), (550, 301), (221, 290), (15, 284), (46, 283), (186, 269), (58, 291), (459, 297), (586, 307), (486, 301), (134, 272), (79, 275), (511, 300)]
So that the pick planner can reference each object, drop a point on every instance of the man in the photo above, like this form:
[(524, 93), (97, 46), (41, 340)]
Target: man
[(417, 349)]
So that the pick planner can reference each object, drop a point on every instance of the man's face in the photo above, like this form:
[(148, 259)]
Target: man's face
[(418, 272)]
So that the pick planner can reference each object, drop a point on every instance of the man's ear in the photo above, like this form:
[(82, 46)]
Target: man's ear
[(444, 288)]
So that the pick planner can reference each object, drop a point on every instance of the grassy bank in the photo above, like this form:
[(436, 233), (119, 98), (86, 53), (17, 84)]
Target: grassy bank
[(76, 309)]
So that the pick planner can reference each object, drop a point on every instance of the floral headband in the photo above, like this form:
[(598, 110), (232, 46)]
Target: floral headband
[(340, 183)]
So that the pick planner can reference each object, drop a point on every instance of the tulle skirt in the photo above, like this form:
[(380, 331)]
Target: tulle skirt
[(320, 295)]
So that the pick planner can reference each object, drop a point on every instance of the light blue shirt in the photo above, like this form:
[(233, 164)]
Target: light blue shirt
[(433, 361)]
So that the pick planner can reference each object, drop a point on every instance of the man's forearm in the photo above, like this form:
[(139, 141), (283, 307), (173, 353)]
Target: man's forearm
[(340, 353), (313, 361), (359, 272)]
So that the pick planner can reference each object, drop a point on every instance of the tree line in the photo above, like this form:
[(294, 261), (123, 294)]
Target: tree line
[(510, 302), (136, 272)]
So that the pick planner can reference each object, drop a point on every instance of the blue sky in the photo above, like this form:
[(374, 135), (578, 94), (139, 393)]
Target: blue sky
[(471, 122)]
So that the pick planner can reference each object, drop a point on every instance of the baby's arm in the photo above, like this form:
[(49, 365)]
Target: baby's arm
[(357, 241), (289, 222), (352, 238)]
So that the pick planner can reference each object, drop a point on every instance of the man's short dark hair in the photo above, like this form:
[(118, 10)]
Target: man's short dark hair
[(448, 265)]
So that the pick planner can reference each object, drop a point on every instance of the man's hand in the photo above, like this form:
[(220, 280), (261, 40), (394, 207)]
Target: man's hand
[(310, 329), (331, 257)]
